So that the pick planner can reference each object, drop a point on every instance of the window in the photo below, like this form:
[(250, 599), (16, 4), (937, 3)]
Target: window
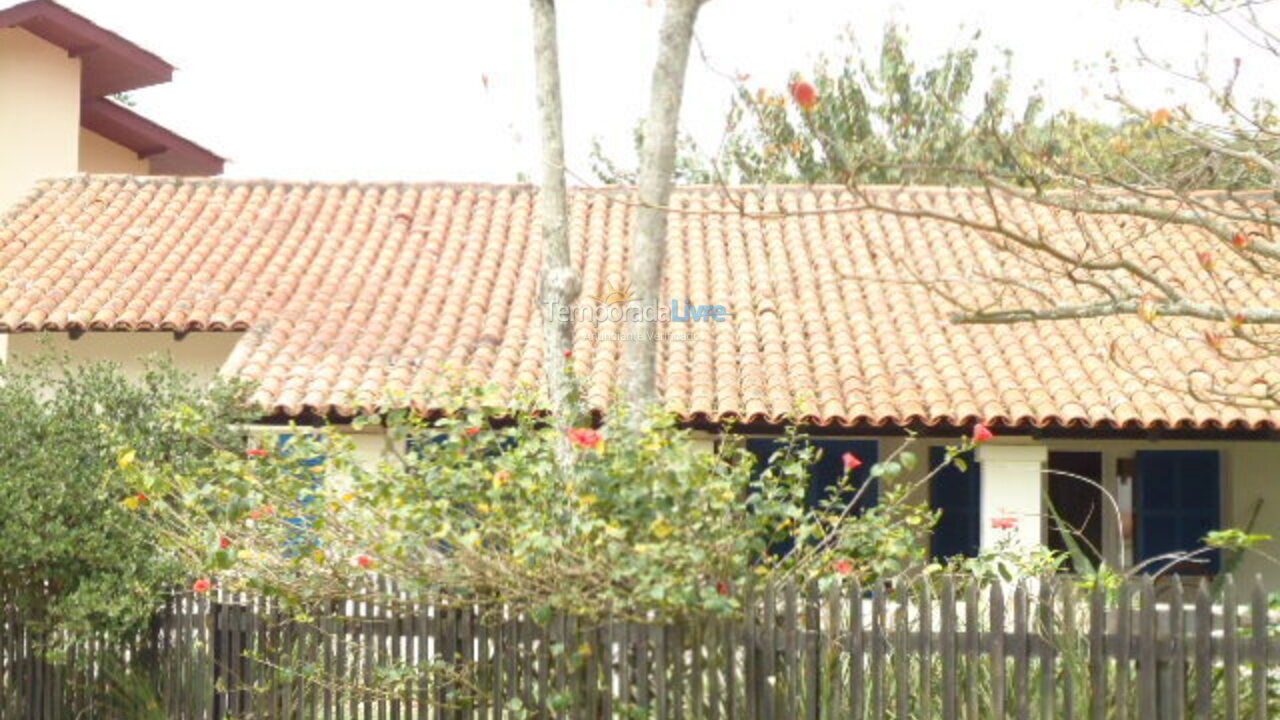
[(958, 494), (1176, 503), (828, 470)]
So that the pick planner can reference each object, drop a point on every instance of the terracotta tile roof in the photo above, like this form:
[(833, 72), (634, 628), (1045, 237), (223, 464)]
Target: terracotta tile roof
[(347, 291)]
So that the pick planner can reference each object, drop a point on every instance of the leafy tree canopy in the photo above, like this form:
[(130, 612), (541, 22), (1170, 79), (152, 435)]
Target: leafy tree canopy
[(891, 118)]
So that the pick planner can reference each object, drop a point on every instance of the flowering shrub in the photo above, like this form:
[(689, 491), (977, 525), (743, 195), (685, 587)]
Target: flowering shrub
[(477, 507), (77, 558)]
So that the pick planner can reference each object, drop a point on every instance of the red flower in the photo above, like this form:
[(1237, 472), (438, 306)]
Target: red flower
[(364, 561), (1240, 240), (255, 453), (224, 543), (201, 586), (722, 589), (843, 567), (473, 431), (1004, 523), (568, 353), (586, 438), (1206, 259), (141, 497), (981, 434), (805, 94), (851, 461)]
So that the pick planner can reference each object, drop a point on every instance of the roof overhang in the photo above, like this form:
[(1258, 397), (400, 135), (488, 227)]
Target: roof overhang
[(110, 64), (169, 153)]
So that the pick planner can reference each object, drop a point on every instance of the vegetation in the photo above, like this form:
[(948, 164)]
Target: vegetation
[(479, 508), (76, 560)]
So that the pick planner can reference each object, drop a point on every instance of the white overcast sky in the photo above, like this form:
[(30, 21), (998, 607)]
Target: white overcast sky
[(393, 90)]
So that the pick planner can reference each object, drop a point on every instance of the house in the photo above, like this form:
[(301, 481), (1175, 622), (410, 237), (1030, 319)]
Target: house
[(337, 298)]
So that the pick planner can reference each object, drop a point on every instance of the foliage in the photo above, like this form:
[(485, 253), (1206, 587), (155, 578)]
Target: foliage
[(76, 559), (477, 508), (1007, 561), (891, 118)]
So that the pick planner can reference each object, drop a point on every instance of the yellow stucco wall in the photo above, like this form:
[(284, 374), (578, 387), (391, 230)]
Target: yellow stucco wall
[(200, 353), (39, 113), (100, 155)]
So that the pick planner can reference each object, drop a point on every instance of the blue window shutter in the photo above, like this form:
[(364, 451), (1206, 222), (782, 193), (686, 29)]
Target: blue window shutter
[(1177, 501), (958, 494), (283, 446), (828, 470)]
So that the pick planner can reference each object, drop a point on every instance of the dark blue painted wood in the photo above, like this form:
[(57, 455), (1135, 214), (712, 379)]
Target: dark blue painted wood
[(1177, 501), (826, 473), (958, 494)]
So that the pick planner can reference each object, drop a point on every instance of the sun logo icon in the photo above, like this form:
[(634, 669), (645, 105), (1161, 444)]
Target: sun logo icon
[(617, 295)]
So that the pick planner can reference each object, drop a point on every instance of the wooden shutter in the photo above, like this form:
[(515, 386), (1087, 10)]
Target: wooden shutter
[(958, 494), (828, 470), (1177, 501)]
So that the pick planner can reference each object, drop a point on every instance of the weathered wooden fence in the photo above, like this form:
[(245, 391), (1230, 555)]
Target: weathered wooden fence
[(1042, 650)]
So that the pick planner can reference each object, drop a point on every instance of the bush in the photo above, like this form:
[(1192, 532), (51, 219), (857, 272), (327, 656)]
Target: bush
[(477, 507), (76, 557)]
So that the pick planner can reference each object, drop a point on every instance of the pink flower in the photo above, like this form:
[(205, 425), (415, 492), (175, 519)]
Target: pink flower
[(586, 438), (1004, 523), (851, 461), (981, 434), (255, 453), (201, 586), (843, 567)]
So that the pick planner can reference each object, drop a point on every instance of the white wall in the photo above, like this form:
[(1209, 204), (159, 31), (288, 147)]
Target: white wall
[(199, 353)]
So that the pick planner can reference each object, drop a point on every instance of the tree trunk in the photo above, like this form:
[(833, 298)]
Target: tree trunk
[(560, 282), (649, 243)]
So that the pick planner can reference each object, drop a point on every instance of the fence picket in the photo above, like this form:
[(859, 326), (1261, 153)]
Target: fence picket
[(925, 658), (857, 652), (901, 658), (812, 652), (1204, 652), (1230, 651), (1122, 641), (877, 642), (1071, 637), (948, 642), (1047, 647), (805, 650), (997, 652), (1173, 695), (1021, 654), (1258, 626), (972, 638), (1147, 648)]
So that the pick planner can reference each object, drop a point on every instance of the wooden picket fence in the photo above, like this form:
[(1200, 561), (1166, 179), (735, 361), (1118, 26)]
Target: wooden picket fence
[(937, 649)]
